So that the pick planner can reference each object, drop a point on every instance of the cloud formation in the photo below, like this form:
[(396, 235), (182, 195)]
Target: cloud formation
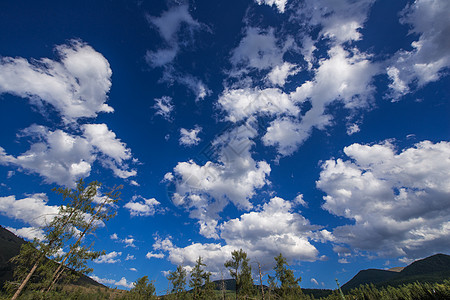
[(431, 52), (140, 206), (76, 85), (164, 107), (204, 189), (108, 258), (263, 234), (168, 25), (190, 137), (63, 158), (398, 201)]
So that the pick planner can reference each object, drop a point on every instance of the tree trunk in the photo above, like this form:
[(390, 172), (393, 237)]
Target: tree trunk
[(57, 273), (25, 281)]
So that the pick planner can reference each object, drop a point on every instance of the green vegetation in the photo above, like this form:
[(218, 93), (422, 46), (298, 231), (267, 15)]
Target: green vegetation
[(79, 217), (240, 270)]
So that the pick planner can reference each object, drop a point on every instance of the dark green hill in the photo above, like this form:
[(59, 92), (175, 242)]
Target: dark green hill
[(435, 268), (374, 276), (10, 247)]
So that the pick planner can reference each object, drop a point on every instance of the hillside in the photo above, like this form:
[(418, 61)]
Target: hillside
[(431, 269), (10, 247)]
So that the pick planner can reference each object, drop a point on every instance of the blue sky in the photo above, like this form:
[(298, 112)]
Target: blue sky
[(318, 129)]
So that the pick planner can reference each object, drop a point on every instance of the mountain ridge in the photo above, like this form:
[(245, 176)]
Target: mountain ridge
[(431, 269)]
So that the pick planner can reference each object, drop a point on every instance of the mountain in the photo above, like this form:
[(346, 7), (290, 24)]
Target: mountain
[(10, 247), (431, 269)]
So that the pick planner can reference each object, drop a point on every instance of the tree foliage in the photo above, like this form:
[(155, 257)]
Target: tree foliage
[(240, 269), (143, 289), (81, 212), (202, 287), (177, 279), (288, 286)]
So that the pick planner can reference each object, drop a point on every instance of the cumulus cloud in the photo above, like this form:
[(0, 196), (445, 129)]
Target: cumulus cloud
[(280, 4), (62, 158), (140, 206), (431, 52), (263, 234), (338, 20), (240, 104), (129, 242), (113, 151), (279, 74), (190, 137), (130, 257), (76, 85), (168, 25), (164, 107), (345, 77), (258, 50), (399, 202), (204, 189), (29, 233), (122, 282), (109, 258), (150, 255), (32, 210)]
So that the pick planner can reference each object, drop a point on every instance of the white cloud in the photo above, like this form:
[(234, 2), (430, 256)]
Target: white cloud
[(262, 234), (109, 258), (274, 229), (190, 137), (280, 4), (114, 236), (122, 282), (398, 201), (32, 210), (57, 156), (29, 233), (113, 151), (198, 87), (164, 107), (299, 200), (204, 189), (352, 129), (130, 257), (144, 208), (431, 52), (133, 269), (99, 136), (62, 158), (243, 103), (313, 280), (76, 86), (286, 134), (344, 77), (169, 25), (280, 73), (129, 242), (339, 20), (258, 50), (154, 255)]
